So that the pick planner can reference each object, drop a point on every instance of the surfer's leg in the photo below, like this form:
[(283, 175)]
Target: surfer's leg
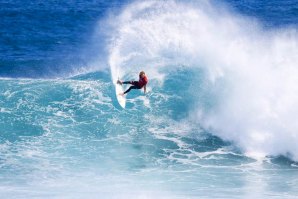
[(127, 82), (132, 87), (130, 82)]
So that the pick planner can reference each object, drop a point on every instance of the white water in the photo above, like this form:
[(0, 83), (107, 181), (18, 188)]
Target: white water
[(252, 73)]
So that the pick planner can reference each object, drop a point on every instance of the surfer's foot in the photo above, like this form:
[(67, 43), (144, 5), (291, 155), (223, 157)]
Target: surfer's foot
[(122, 94), (119, 82)]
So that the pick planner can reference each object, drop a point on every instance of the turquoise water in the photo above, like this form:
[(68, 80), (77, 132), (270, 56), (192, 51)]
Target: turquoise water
[(70, 139), (218, 120)]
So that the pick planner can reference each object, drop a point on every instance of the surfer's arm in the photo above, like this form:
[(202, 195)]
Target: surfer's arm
[(145, 89)]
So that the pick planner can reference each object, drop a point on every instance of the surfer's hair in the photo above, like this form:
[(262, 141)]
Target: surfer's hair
[(142, 73)]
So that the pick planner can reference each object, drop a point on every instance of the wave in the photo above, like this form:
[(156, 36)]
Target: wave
[(213, 76), (242, 82)]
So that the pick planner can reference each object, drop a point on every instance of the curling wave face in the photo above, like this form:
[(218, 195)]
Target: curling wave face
[(244, 78)]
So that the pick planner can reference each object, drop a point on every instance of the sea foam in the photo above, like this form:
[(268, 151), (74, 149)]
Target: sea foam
[(251, 72)]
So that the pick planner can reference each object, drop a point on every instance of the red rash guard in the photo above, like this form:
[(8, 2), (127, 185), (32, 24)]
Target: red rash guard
[(142, 82)]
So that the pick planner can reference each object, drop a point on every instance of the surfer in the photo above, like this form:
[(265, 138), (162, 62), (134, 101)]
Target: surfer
[(143, 80)]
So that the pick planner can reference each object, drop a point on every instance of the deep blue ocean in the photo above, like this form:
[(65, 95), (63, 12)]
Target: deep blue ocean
[(219, 119)]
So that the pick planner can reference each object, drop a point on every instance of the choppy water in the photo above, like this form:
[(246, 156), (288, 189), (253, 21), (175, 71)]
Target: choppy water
[(218, 120)]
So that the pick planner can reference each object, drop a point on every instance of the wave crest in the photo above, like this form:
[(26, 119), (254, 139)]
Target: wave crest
[(249, 71)]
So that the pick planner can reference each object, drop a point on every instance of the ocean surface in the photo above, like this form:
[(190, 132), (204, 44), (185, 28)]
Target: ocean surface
[(219, 119)]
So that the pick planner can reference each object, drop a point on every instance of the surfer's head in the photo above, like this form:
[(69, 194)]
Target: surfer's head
[(142, 74)]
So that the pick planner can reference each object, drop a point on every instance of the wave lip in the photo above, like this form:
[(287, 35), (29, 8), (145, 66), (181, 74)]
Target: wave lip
[(249, 71)]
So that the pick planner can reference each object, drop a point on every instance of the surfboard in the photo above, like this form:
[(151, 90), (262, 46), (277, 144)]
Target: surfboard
[(121, 99)]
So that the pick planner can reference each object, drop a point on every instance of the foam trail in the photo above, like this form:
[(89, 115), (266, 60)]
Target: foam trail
[(251, 72)]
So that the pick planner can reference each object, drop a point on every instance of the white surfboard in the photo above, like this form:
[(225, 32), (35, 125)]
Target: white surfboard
[(121, 99)]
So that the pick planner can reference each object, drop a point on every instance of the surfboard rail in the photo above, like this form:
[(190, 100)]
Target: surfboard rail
[(121, 99)]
